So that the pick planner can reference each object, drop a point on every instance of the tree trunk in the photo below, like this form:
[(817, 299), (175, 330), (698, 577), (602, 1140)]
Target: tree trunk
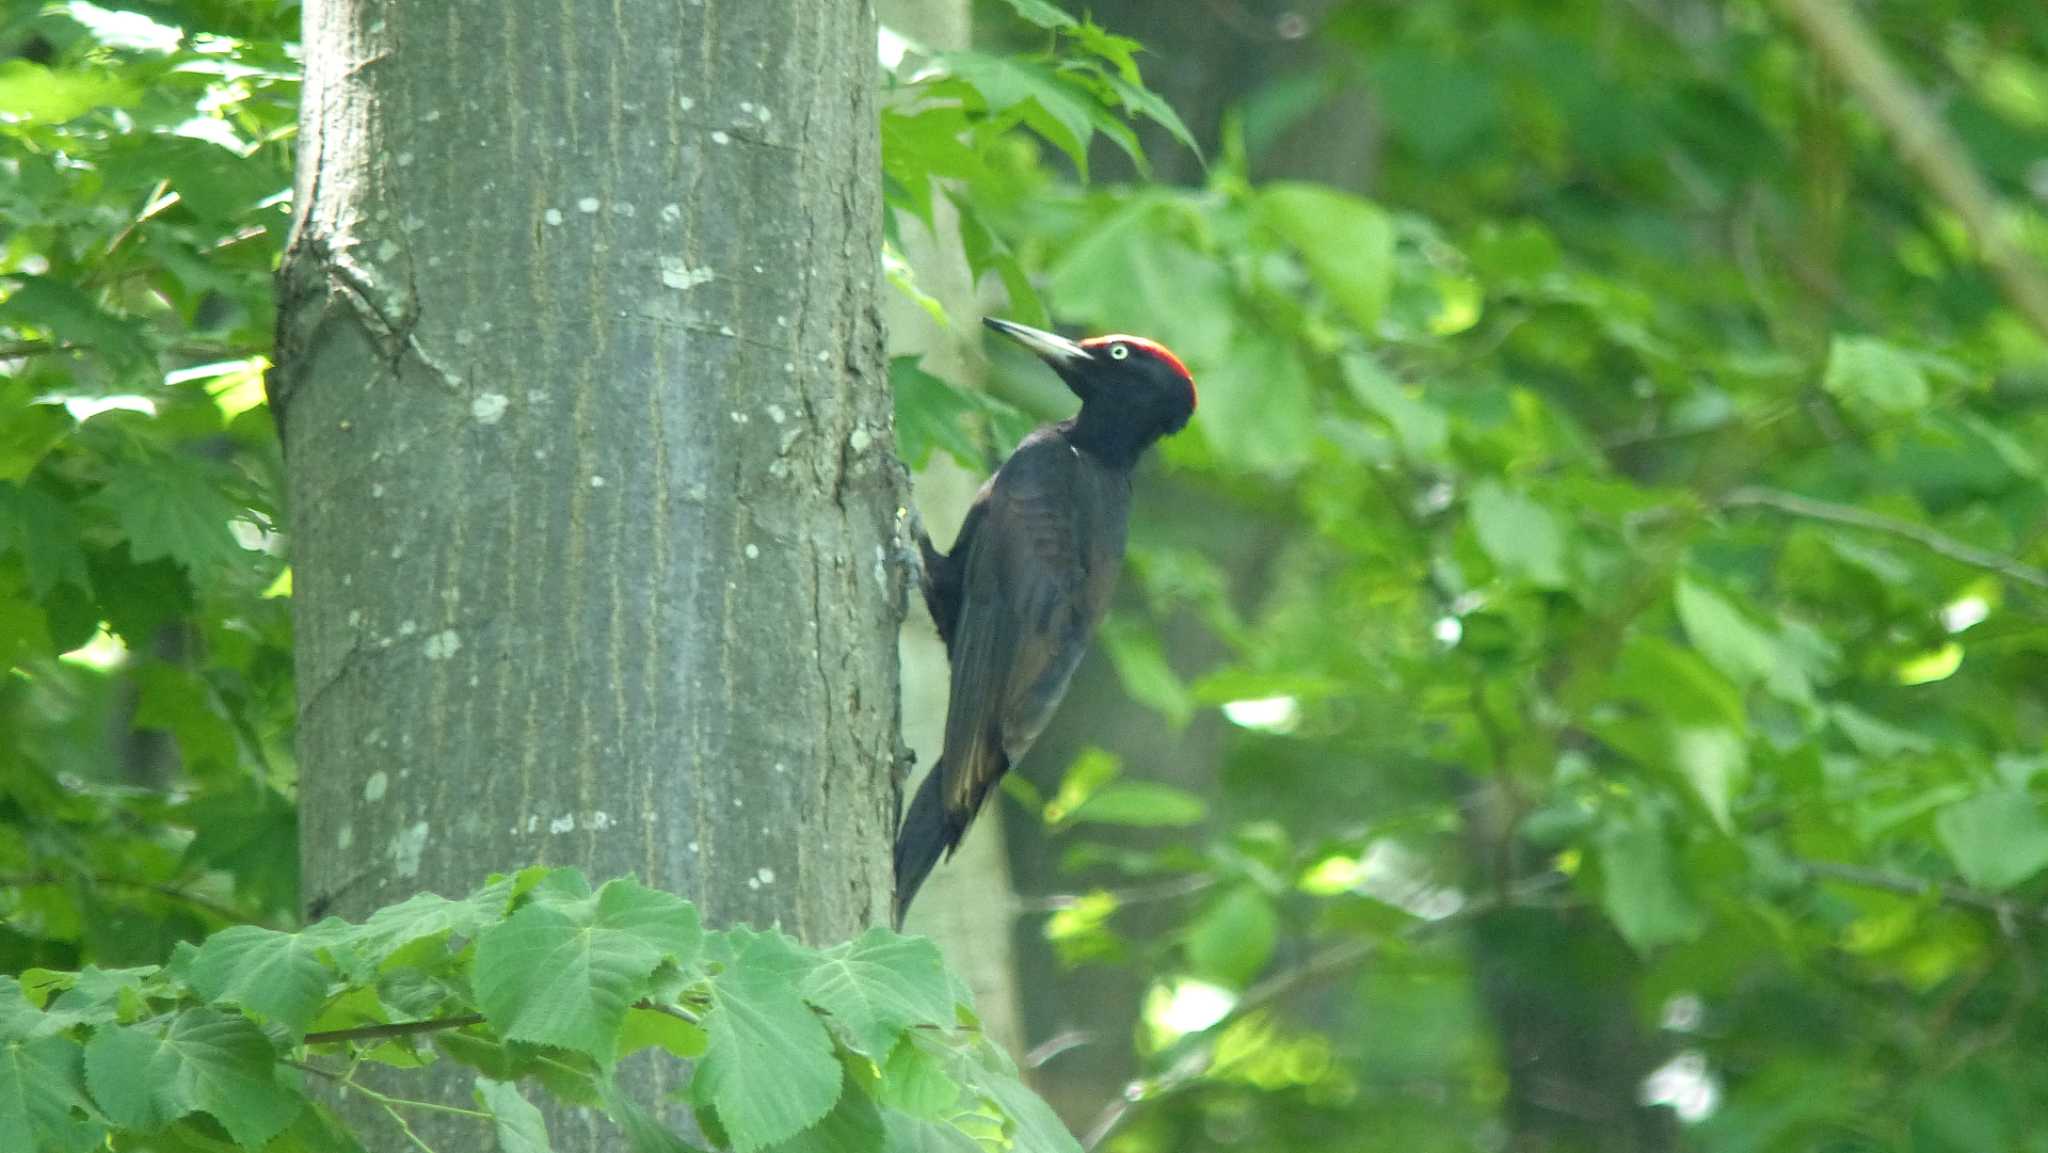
[(589, 440)]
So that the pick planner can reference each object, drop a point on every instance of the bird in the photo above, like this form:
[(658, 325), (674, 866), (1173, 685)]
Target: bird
[(1030, 574)]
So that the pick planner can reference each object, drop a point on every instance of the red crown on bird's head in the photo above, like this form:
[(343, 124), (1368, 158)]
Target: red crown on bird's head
[(1151, 348)]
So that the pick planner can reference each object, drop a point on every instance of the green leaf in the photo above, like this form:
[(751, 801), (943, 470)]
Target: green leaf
[(173, 699), (1735, 645), (562, 971), (853, 1126), (1868, 371), (66, 314), (769, 1071), (1421, 427), (428, 915), (879, 984), (1997, 839), (280, 975), (1142, 667), (29, 91), (1131, 272), (1258, 407), (42, 1097), (1233, 939), (1090, 771), (207, 1062), (644, 1131), (1141, 804), (914, 1082), (1640, 888), (520, 1127), (1714, 760), (1521, 536), (1054, 108), (1346, 242), (45, 531), (27, 436), (1041, 13), (646, 1028), (931, 414), (171, 507)]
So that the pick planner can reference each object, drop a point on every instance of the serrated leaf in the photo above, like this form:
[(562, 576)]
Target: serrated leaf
[(1233, 938), (427, 915), (206, 1061), (644, 1131), (1053, 107), (852, 1126), (42, 1084), (879, 984), (1872, 372), (1520, 535), (520, 1127), (562, 970), (280, 975), (1144, 804), (1997, 839), (1346, 242), (169, 507), (770, 1071)]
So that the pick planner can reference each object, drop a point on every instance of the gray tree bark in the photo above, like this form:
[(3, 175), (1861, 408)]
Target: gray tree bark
[(590, 458)]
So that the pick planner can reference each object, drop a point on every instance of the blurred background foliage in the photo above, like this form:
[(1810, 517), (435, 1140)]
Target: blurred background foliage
[(1578, 682)]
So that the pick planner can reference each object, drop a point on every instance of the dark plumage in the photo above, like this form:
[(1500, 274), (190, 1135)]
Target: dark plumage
[(1031, 574)]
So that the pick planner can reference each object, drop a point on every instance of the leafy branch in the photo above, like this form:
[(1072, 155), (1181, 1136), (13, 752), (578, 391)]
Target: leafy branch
[(1855, 517)]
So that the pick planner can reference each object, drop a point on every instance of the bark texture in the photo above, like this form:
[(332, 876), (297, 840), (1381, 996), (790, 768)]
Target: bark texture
[(590, 454)]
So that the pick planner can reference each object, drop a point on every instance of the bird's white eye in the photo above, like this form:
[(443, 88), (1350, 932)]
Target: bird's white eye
[(1119, 351)]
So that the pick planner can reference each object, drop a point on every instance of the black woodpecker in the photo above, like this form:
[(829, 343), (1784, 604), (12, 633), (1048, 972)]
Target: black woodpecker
[(1031, 573)]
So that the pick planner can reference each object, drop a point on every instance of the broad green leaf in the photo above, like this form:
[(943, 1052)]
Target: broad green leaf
[(428, 915), (1997, 839), (1876, 737), (1141, 803), (769, 1070), (878, 985), (1520, 535), (644, 1131), (931, 414), (1639, 887), (1676, 683), (206, 1061), (279, 975), (520, 1127), (563, 971), (1233, 939), (646, 1028), (1714, 760), (41, 1085), (174, 508), (70, 316), (1131, 272), (920, 1135), (1347, 244), (45, 531), (1876, 374), (29, 91), (914, 1082), (27, 436), (1421, 427), (1258, 407), (1142, 667), (173, 699), (852, 1126), (1055, 108), (1735, 645), (1034, 1127)]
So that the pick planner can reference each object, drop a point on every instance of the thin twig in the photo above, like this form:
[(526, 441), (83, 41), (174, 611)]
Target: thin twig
[(170, 892), (460, 1021), (1924, 142), (1930, 539), (1164, 890), (2008, 912)]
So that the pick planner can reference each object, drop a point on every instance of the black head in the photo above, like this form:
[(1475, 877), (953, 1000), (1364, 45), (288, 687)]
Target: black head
[(1133, 391)]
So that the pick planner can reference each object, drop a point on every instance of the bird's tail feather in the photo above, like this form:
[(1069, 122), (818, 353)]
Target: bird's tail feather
[(921, 839)]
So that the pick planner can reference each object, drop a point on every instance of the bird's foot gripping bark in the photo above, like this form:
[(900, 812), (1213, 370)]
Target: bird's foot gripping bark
[(911, 544)]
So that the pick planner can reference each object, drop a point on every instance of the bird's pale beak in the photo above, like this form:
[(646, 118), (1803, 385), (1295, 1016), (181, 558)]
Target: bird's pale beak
[(1051, 347)]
